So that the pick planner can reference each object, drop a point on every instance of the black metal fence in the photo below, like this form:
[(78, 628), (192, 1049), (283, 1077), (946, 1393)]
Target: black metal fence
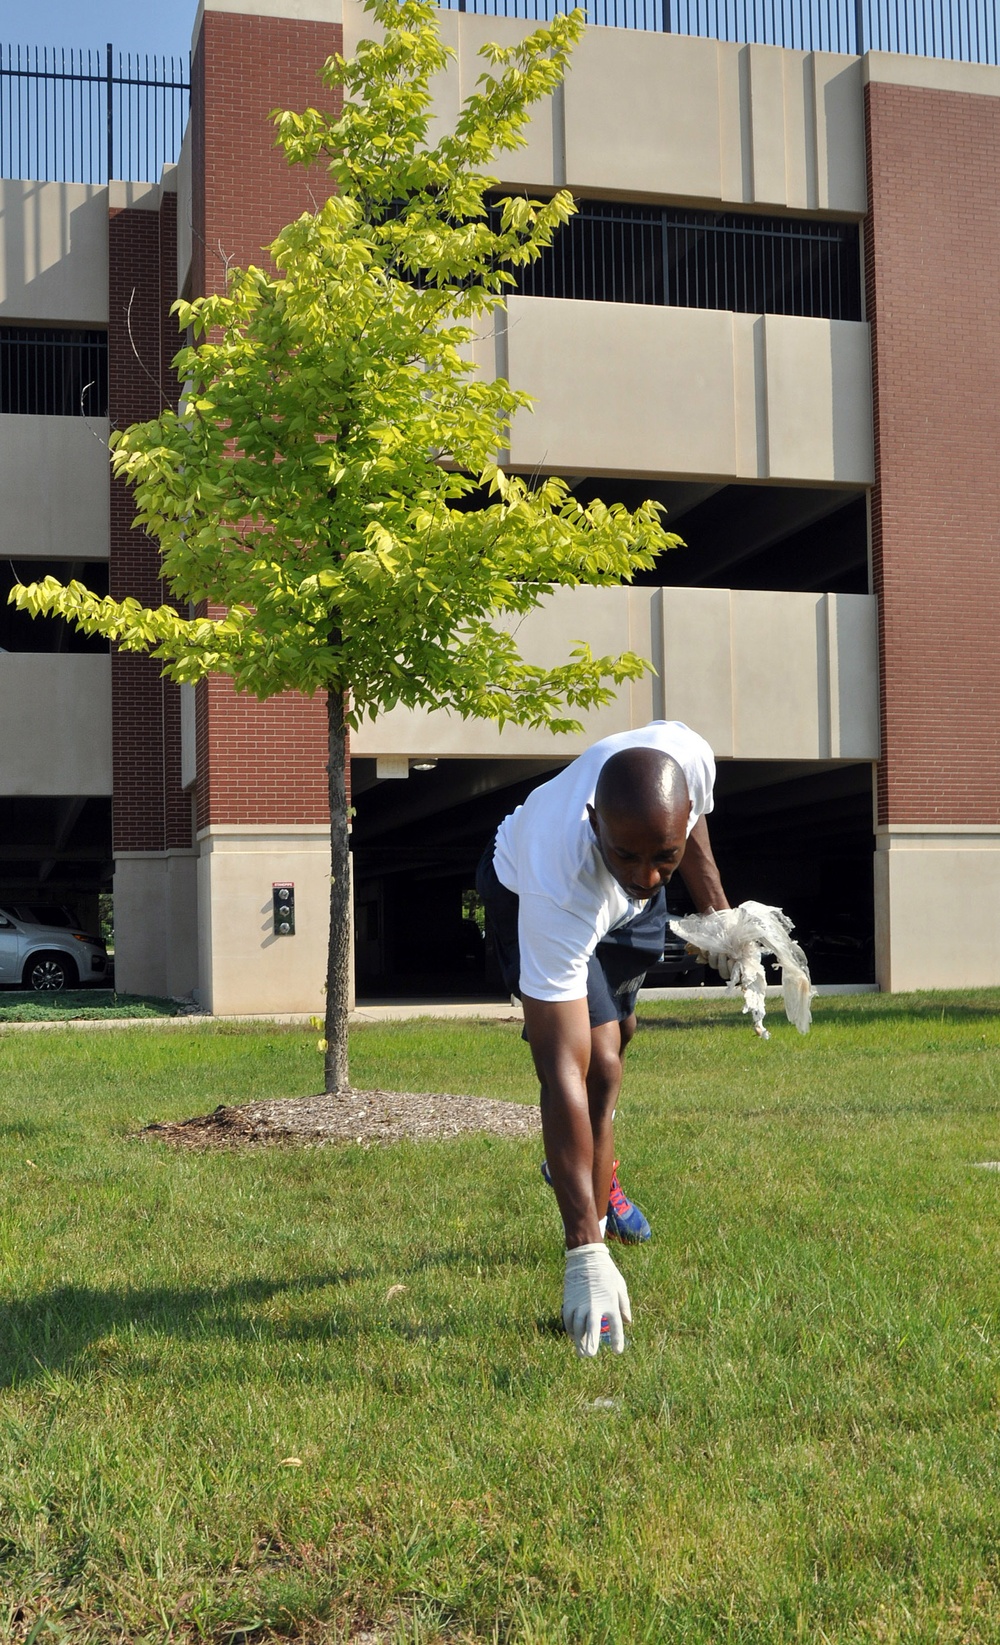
[(964, 30), (86, 116), (50, 371), (616, 252)]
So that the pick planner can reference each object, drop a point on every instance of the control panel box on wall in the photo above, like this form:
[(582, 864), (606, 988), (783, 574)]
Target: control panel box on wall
[(283, 900)]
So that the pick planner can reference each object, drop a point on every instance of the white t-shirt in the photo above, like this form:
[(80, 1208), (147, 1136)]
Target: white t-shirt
[(546, 853)]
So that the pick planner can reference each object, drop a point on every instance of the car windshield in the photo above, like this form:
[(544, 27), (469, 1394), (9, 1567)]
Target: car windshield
[(30, 914)]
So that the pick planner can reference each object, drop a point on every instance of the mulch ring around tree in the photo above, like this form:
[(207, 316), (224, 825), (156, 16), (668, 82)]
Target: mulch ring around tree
[(369, 1117)]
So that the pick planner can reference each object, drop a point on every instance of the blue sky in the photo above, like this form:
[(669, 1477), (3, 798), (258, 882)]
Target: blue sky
[(142, 25)]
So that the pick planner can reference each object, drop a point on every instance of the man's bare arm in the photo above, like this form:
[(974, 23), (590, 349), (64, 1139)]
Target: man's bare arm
[(559, 1036), (699, 871)]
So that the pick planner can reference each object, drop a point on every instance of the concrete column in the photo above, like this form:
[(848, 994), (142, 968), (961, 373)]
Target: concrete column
[(937, 891), (933, 133), (245, 966), (156, 923)]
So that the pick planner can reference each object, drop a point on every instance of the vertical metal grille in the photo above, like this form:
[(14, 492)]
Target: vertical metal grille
[(613, 252), (49, 372), (85, 116), (962, 30)]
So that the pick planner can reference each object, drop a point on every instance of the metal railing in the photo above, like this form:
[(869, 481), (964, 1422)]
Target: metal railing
[(962, 30), (84, 116), (617, 252), (48, 371)]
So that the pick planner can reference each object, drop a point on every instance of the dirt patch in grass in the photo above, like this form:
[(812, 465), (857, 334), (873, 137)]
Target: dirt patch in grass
[(359, 1116)]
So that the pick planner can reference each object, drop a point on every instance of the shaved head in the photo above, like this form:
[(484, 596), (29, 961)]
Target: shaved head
[(641, 782), (639, 818)]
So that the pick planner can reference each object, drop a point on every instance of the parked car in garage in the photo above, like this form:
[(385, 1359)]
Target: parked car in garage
[(44, 949)]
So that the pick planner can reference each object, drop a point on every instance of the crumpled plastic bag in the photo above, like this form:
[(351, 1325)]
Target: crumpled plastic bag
[(744, 935)]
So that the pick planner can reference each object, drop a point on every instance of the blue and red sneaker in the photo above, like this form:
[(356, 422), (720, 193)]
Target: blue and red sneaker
[(625, 1219)]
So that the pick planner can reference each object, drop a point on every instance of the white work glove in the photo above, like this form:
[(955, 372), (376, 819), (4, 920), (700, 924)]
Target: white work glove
[(593, 1288), (717, 958)]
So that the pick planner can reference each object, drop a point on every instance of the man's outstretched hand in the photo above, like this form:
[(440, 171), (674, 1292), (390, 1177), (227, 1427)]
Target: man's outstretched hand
[(594, 1288)]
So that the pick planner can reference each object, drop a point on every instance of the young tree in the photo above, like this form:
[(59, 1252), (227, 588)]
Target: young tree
[(329, 493)]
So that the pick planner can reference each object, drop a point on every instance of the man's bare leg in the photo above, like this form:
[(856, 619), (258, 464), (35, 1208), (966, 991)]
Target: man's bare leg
[(604, 1078)]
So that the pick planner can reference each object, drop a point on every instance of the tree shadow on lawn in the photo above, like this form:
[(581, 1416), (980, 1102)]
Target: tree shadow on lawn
[(52, 1331), (862, 1011)]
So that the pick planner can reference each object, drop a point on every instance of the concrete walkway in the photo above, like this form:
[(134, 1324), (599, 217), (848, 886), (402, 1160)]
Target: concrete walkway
[(408, 1010)]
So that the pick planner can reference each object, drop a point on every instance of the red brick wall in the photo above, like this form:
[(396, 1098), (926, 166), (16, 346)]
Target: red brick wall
[(260, 762), (257, 763), (150, 811), (932, 243)]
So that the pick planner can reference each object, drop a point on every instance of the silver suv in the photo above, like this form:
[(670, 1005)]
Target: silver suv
[(42, 948)]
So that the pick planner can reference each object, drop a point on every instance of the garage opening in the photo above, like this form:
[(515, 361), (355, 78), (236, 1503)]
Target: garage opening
[(797, 834), (55, 852)]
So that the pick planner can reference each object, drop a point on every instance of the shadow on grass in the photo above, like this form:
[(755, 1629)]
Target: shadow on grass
[(716, 1020), (852, 1011), (51, 1333), (879, 1010)]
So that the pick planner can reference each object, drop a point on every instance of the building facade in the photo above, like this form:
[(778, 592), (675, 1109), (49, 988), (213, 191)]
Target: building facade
[(771, 314)]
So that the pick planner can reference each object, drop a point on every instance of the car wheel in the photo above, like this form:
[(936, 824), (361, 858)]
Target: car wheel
[(48, 973)]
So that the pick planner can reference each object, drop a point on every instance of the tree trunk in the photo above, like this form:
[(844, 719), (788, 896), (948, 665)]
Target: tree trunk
[(338, 970)]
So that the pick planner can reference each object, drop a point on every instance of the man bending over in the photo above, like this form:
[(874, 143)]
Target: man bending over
[(574, 886)]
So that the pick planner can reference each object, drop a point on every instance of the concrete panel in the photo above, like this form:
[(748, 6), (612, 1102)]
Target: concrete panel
[(674, 117), (629, 388), (800, 130), (54, 487), (622, 387), (936, 896), (126, 194), (771, 675), (185, 221), (760, 675), (931, 73), (819, 412), (750, 396), (532, 165), (243, 966), (696, 669), (642, 694), (642, 114), (546, 636), (300, 11), (767, 123), (53, 253), (806, 130), (851, 399), (55, 724), (736, 148), (838, 104), (189, 737), (156, 923), (358, 25), (447, 87), (603, 617), (463, 35), (852, 649), (779, 693)]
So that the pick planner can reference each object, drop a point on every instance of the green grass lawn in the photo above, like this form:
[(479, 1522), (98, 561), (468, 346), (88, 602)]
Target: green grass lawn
[(310, 1393)]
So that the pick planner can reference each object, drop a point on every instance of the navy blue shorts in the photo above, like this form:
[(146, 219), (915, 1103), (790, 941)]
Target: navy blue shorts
[(616, 969)]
